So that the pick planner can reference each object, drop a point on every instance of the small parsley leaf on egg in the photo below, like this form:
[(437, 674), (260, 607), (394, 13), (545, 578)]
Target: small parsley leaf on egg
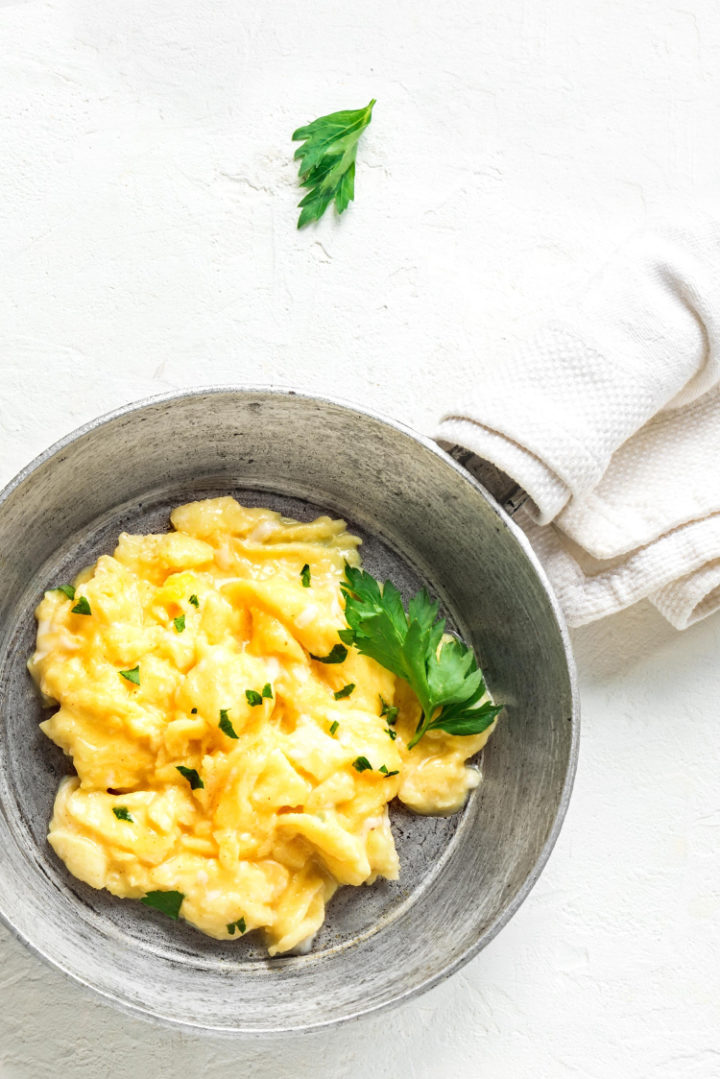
[(66, 589), (166, 902), (383, 768), (337, 654), (132, 675), (392, 734), (389, 711), (333, 727), (253, 697), (192, 777), (362, 764), (225, 725), (179, 623), (239, 925), (82, 606), (344, 692), (194, 600), (305, 575), (267, 691), (123, 813)]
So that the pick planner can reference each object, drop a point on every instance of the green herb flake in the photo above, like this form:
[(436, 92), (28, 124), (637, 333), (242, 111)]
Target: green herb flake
[(132, 675), (225, 725), (179, 623), (66, 589), (194, 600), (253, 697), (389, 711), (166, 902), (344, 692), (193, 711), (267, 691), (444, 674), (305, 575), (123, 813), (192, 777), (383, 769), (82, 606), (338, 654), (333, 727), (239, 925), (362, 764), (389, 731), (327, 160)]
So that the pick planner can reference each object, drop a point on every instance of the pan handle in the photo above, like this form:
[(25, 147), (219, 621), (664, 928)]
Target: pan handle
[(502, 487)]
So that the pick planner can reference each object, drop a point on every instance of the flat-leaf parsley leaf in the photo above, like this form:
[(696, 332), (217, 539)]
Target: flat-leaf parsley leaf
[(225, 724), (337, 654), (327, 160), (66, 589), (166, 902), (192, 777), (444, 674)]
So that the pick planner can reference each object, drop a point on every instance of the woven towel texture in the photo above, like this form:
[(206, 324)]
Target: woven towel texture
[(610, 421)]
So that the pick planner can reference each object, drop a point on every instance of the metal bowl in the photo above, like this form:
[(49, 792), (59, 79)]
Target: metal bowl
[(423, 520)]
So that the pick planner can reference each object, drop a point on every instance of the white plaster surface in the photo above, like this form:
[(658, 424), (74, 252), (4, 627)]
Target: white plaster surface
[(148, 242)]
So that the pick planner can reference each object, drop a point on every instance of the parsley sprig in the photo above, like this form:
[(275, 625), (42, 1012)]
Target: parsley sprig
[(327, 160), (444, 675)]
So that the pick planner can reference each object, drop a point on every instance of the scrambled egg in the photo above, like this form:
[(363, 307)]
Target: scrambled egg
[(217, 757)]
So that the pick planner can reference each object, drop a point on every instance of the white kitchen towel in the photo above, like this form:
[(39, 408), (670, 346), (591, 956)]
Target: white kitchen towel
[(610, 421)]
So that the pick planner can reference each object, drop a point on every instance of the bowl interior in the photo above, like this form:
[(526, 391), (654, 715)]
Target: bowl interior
[(422, 521)]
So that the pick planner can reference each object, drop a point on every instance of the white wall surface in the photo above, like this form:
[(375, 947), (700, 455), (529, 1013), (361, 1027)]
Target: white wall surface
[(147, 231)]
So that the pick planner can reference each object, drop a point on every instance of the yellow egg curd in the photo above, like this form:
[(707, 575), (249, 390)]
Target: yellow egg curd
[(217, 756)]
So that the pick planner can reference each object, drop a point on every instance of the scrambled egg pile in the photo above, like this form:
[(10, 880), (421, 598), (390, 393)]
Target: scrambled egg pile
[(218, 758)]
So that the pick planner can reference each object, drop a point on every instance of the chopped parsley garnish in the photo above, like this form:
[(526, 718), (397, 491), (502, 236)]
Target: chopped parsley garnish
[(305, 575), (192, 777), (239, 924), (443, 674), (334, 726), (327, 160), (267, 691), (179, 623), (166, 902), (383, 769), (225, 725), (362, 764), (391, 732), (133, 675), (123, 813), (253, 697), (194, 600), (66, 589), (337, 654), (82, 606), (344, 692), (389, 711)]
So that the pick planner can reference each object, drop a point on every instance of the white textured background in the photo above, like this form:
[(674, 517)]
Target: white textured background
[(148, 242)]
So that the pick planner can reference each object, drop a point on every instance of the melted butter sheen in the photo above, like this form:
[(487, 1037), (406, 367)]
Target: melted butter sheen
[(283, 818)]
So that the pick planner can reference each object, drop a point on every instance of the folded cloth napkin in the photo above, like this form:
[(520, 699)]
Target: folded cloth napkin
[(610, 422)]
